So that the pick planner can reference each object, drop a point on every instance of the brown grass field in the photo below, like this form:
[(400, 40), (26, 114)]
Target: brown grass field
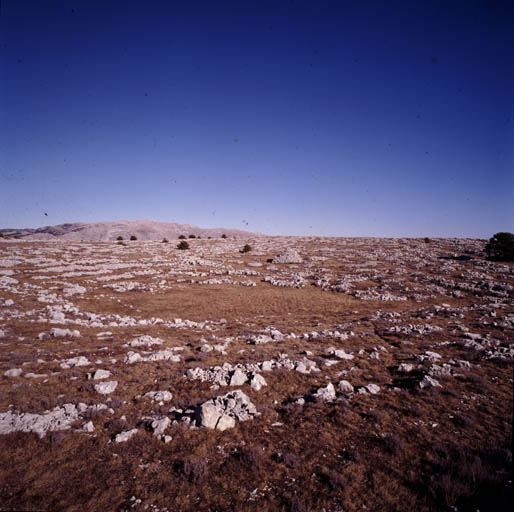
[(446, 447)]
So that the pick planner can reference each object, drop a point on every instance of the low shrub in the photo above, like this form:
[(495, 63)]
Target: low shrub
[(500, 247), (194, 470), (192, 236), (246, 248), (182, 237), (120, 238), (165, 240), (183, 245), (133, 237), (223, 235)]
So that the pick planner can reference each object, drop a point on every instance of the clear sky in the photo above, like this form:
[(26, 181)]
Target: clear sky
[(298, 117)]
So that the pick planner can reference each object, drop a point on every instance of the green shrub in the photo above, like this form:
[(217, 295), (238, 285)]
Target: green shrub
[(500, 247), (182, 237), (183, 245), (246, 248), (133, 237), (120, 238)]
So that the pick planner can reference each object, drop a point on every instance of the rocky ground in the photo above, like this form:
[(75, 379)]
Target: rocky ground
[(324, 374)]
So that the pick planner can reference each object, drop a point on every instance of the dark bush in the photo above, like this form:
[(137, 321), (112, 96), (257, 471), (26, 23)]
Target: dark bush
[(121, 242), (133, 237), (165, 240), (426, 240), (246, 248), (223, 235), (119, 238), (192, 236), (1, 235), (183, 245), (194, 470), (500, 247), (182, 237), (393, 444)]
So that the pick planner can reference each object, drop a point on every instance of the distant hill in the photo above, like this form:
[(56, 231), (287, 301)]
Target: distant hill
[(105, 231)]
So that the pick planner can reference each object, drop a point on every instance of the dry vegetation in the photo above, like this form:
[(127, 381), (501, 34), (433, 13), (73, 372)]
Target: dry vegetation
[(386, 302)]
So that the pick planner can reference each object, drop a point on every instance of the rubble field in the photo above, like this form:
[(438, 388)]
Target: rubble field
[(308, 374)]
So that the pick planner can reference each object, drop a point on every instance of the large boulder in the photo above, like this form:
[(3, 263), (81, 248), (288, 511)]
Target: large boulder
[(288, 256), (222, 412), (325, 394)]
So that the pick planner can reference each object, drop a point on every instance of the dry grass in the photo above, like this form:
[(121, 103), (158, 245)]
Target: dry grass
[(403, 449)]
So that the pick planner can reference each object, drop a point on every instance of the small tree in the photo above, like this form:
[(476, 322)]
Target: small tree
[(182, 237), (192, 236), (223, 235), (246, 248), (426, 240), (133, 237), (1, 235), (120, 238), (183, 245), (165, 240), (500, 247)]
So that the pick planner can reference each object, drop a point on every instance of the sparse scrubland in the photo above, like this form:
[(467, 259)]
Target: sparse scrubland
[(307, 374)]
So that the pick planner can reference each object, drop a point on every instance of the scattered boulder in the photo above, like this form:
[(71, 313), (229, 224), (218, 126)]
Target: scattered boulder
[(345, 387), (159, 426), (105, 388), (13, 372), (144, 341), (325, 394), (429, 382), (221, 412), (159, 396), (56, 332), (288, 256), (238, 378), (405, 368), (99, 374), (122, 437), (75, 361), (370, 389), (88, 427), (258, 382)]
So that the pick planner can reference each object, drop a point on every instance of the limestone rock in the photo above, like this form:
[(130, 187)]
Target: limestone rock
[(159, 396), (345, 387), (258, 382), (288, 256), (99, 374), (122, 437), (238, 378), (160, 425), (221, 412), (325, 394), (105, 388), (13, 372), (428, 382)]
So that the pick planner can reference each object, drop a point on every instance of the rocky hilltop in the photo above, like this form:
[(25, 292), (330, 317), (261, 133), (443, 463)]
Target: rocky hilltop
[(105, 231)]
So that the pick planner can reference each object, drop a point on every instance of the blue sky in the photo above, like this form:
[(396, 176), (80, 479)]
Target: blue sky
[(301, 117)]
